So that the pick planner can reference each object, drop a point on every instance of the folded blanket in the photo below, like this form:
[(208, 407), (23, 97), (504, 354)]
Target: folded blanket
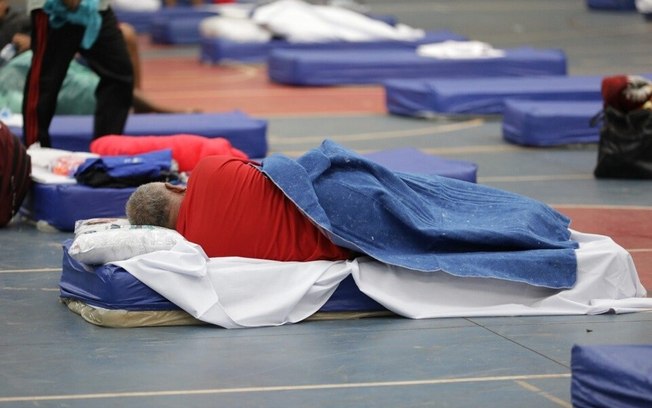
[(186, 149), (427, 223)]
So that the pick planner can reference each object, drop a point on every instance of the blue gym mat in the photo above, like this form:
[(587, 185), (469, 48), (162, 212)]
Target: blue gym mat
[(340, 67), (142, 21), (616, 5), (550, 123), (609, 376), (111, 287), (216, 50), (176, 30), (74, 132), (483, 96)]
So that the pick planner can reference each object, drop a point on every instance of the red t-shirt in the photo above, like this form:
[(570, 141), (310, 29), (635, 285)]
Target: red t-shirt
[(230, 208)]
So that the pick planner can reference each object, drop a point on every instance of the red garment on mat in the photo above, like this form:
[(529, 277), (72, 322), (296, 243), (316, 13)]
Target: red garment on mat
[(230, 208), (187, 149)]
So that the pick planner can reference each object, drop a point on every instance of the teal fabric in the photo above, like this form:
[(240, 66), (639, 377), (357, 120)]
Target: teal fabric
[(77, 95), (87, 14)]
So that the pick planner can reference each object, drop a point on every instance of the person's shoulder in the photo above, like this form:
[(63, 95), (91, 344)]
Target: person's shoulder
[(220, 159), (220, 163)]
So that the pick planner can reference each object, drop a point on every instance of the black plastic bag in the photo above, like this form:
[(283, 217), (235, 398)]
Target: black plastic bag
[(625, 149)]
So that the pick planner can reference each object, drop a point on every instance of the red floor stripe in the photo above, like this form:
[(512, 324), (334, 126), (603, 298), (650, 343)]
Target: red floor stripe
[(629, 227)]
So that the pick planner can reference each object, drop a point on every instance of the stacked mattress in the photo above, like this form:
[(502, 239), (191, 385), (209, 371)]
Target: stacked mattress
[(341, 67), (75, 132)]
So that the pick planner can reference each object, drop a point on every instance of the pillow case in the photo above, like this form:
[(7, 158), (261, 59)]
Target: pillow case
[(112, 242), (98, 224)]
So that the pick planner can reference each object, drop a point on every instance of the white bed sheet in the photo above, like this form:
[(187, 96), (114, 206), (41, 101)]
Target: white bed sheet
[(300, 22), (239, 292)]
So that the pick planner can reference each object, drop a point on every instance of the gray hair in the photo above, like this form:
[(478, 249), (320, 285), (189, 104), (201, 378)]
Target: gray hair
[(149, 205)]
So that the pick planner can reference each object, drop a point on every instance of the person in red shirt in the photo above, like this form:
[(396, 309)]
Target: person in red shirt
[(230, 208)]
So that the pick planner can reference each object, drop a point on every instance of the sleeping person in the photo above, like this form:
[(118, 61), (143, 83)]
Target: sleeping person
[(231, 209), (332, 204)]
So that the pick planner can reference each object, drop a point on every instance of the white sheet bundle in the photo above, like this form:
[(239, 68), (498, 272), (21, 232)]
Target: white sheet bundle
[(140, 5), (459, 50), (301, 22), (238, 292), (644, 6)]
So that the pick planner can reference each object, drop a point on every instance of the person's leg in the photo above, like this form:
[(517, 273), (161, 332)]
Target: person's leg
[(52, 52), (131, 39), (109, 58), (142, 103)]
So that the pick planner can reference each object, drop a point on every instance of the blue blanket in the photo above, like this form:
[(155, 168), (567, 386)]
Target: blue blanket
[(427, 223)]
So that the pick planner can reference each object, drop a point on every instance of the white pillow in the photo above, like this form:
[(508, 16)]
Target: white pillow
[(98, 224), (121, 242)]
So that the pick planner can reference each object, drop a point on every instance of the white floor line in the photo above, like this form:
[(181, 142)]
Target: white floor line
[(548, 396), (391, 134), (604, 206), (38, 270), (213, 391), (551, 177)]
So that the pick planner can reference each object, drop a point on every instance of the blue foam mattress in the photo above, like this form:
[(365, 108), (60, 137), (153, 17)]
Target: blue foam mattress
[(411, 160), (73, 132), (607, 376), (550, 123), (60, 205), (112, 287), (483, 96), (340, 67), (216, 50), (142, 20), (622, 5), (177, 30)]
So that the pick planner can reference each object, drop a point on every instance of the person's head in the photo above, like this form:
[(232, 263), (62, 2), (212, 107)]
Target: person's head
[(155, 204)]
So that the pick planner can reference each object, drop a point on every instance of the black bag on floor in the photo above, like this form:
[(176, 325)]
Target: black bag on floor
[(15, 169), (625, 149)]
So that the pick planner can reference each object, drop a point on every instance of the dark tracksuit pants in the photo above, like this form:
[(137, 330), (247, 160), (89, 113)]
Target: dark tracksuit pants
[(53, 50)]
